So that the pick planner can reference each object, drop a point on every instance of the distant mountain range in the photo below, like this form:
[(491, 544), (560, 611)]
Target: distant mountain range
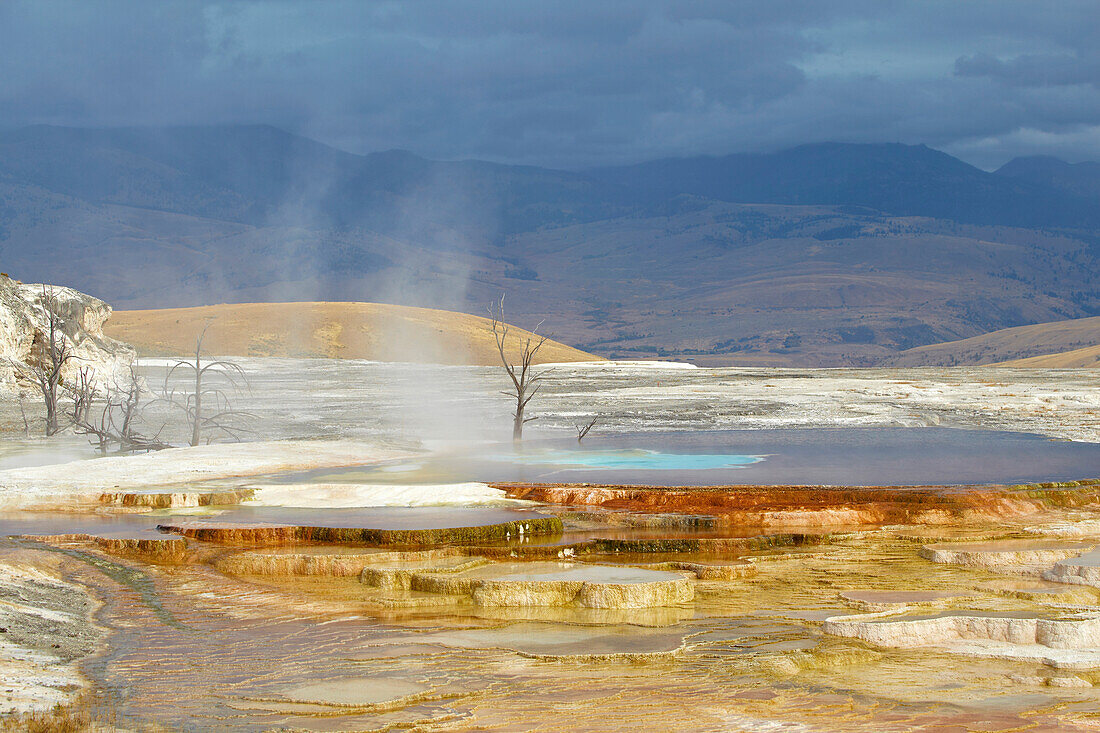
[(905, 180), (1076, 179), (821, 254)]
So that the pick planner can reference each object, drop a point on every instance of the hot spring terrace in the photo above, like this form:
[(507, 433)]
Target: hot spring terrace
[(834, 577)]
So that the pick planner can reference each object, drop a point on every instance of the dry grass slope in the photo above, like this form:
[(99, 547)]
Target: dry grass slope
[(1088, 357), (1070, 343), (334, 330)]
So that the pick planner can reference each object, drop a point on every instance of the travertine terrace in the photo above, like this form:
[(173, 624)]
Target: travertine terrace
[(342, 574)]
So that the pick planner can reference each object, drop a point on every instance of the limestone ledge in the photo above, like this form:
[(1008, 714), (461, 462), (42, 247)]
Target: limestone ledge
[(1007, 559), (571, 585), (148, 501), (260, 533), (325, 564), (153, 549), (400, 574), (715, 571), (1070, 642), (1076, 571)]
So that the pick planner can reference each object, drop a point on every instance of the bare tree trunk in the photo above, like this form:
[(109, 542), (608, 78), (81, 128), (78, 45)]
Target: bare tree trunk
[(204, 397), (51, 414), (45, 371), (582, 430), (525, 381), (196, 423), (517, 424), (23, 414)]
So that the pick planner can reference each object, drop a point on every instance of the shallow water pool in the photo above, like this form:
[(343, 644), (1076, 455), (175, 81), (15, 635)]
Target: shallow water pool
[(821, 456)]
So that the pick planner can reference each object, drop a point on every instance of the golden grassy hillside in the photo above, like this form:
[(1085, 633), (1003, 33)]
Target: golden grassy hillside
[(1088, 357), (335, 330), (1060, 343)]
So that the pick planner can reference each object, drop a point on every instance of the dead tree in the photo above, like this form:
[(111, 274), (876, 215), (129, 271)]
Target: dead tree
[(525, 381), (47, 360), (23, 414), (206, 403), (582, 430), (116, 423), (83, 392)]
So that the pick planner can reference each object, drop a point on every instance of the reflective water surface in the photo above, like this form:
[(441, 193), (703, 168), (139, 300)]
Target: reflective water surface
[(823, 456)]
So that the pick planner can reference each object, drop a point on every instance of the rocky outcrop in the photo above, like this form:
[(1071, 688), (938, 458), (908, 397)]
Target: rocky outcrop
[(24, 333)]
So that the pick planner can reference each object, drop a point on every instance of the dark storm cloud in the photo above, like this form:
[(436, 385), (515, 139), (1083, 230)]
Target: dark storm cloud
[(571, 83), (1032, 70)]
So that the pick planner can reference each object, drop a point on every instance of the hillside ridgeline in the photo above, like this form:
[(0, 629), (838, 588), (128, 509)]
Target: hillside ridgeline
[(1060, 344)]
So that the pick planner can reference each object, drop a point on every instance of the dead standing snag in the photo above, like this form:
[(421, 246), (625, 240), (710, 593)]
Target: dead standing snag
[(525, 381), (45, 371), (208, 409), (116, 423), (582, 430)]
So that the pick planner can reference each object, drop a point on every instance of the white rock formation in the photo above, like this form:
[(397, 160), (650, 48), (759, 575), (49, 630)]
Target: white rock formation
[(83, 483), (1072, 642), (1013, 558), (24, 330), (1083, 570)]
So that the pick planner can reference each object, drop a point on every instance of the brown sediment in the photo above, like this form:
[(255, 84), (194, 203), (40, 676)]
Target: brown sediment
[(685, 522), (706, 571), (327, 564), (650, 545), (279, 534), (152, 549), (166, 500), (819, 506), (652, 589)]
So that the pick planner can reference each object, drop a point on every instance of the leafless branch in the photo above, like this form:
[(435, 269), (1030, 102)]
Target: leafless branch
[(582, 430), (525, 380), (116, 422), (208, 408), (50, 352)]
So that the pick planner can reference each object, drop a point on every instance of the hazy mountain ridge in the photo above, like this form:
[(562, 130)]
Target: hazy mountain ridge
[(261, 175), (904, 180), (1078, 179), (620, 261)]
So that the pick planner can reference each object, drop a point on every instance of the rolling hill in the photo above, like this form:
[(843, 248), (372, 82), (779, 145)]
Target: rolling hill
[(1069, 343), (1086, 358), (370, 331)]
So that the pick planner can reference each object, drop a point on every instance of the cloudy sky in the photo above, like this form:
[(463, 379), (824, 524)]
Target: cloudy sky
[(571, 84)]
